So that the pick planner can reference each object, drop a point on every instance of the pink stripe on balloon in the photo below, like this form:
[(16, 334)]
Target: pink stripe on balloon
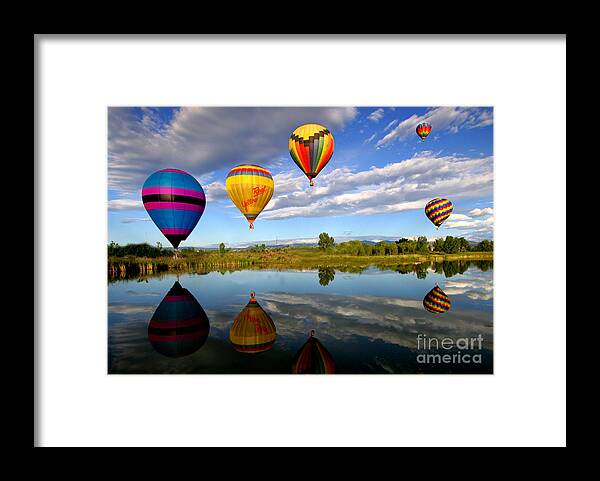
[(173, 170), (173, 205), (174, 191), (175, 231)]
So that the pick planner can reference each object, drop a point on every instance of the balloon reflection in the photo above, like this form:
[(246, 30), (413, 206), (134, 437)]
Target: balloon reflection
[(253, 330), (179, 326), (436, 301), (313, 358)]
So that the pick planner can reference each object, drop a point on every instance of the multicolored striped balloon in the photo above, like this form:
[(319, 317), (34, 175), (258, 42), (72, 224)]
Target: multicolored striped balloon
[(253, 330), (179, 325), (250, 187), (436, 301), (311, 147), (423, 130), (175, 202), (438, 210), (313, 358)]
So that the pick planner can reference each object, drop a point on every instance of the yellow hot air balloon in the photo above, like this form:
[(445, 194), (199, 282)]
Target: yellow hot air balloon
[(250, 187), (311, 147), (253, 329)]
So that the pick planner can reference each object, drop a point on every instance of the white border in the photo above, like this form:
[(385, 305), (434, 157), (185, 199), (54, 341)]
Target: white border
[(523, 403)]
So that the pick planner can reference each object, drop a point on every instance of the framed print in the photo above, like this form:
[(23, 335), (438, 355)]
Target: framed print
[(341, 232)]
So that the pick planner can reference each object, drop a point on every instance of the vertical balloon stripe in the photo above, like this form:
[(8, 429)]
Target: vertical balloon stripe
[(313, 358), (312, 146)]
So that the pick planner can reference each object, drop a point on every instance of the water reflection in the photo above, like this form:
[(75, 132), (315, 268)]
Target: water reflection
[(179, 326), (326, 275), (368, 322), (313, 358), (436, 301), (253, 330)]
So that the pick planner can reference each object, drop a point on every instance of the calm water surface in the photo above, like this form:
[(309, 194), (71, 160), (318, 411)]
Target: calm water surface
[(368, 322)]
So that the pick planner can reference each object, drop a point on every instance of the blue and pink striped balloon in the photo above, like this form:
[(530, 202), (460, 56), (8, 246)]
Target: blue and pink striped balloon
[(175, 202)]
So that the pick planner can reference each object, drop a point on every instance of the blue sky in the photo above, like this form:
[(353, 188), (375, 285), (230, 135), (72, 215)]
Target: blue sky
[(374, 187)]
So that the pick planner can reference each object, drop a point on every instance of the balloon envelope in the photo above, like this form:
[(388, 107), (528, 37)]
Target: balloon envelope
[(253, 330), (438, 210), (423, 130), (311, 147), (436, 301), (313, 358), (175, 201), (250, 187), (179, 326)]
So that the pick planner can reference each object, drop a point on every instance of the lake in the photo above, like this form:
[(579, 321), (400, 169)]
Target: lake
[(313, 321)]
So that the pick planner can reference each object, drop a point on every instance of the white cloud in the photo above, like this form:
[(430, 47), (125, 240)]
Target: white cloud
[(131, 220), (390, 125), (203, 139), (480, 212), (376, 115), (441, 118), (125, 204), (398, 186), (476, 226), (368, 141)]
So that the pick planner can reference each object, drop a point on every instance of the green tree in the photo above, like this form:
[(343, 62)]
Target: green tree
[(485, 246), (463, 244), (422, 244), (438, 245), (222, 248), (326, 241), (451, 245)]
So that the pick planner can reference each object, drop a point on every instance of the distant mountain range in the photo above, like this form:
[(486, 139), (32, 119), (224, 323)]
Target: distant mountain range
[(308, 241)]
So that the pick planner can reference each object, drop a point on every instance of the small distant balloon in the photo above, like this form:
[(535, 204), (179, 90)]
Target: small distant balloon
[(423, 130), (175, 201), (250, 187), (179, 326), (438, 210), (311, 147), (436, 301), (253, 330), (313, 358)]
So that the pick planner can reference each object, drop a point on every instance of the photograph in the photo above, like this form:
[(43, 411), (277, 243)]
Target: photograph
[(300, 240), (349, 243)]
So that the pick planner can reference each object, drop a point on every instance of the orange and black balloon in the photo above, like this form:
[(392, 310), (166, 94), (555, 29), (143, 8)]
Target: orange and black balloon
[(179, 326), (423, 130), (313, 358)]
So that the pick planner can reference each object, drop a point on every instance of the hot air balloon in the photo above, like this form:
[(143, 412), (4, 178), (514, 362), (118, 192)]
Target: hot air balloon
[(423, 130), (179, 325), (253, 329), (438, 210), (436, 301), (311, 147), (313, 358), (175, 202), (250, 187)]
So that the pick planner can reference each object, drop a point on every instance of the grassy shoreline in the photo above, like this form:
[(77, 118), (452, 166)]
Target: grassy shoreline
[(276, 258)]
